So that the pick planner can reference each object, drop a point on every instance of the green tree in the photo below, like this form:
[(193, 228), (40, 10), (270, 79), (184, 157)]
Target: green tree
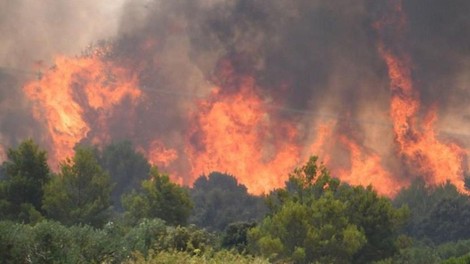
[(377, 218), (439, 213), (126, 167), (158, 198), (235, 236), (220, 200), (307, 223), (305, 233), (449, 220), (461, 260), (80, 193), (315, 218), (2, 173), (21, 191)]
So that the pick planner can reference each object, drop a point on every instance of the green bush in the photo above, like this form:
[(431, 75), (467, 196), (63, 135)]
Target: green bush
[(211, 257), (52, 243), (462, 260), (145, 235), (188, 239), (236, 236), (16, 242)]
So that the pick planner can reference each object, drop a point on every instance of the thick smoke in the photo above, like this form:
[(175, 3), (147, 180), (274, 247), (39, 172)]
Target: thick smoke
[(33, 33), (39, 30), (317, 60), (438, 35), (313, 62)]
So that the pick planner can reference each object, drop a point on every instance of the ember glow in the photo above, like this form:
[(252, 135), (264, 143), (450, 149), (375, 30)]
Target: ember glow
[(253, 88)]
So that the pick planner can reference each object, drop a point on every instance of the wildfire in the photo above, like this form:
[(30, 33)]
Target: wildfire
[(366, 169), (417, 142), (324, 132), (235, 128), (74, 86), (233, 132), (160, 155), (3, 155)]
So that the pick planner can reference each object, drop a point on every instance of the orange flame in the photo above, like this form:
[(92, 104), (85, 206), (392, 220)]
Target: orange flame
[(324, 132), (3, 154), (233, 132), (366, 169), (71, 88), (365, 165), (436, 161), (158, 154)]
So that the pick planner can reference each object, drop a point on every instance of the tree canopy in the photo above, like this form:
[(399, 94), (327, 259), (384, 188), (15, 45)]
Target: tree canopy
[(21, 191), (159, 198), (435, 212), (220, 200), (81, 191), (126, 167), (315, 218)]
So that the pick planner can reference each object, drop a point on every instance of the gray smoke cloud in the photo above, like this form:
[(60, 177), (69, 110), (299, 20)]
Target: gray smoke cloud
[(33, 33), (316, 60), (39, 30)]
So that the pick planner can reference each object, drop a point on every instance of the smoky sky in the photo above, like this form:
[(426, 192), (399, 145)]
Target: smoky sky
[(315, 59), (321, 49), (439, 37), (306, 43), (33, 33)]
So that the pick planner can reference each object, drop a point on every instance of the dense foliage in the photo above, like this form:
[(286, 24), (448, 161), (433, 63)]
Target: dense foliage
[(220, 200), (159, 198), (435, 212), (317, 219), (126, 167), (21, 190), (75, 216), (80, 194), (52, 242)]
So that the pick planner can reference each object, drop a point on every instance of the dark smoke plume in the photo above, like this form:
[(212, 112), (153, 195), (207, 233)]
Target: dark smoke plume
[(315, 60)]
